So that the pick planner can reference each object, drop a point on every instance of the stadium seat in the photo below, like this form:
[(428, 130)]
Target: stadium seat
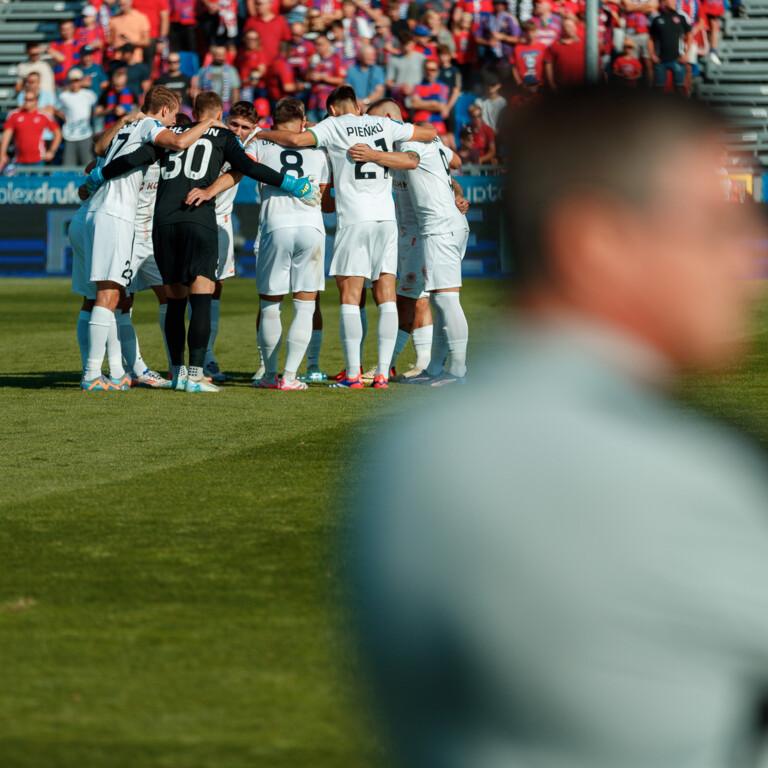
[(189, 63)]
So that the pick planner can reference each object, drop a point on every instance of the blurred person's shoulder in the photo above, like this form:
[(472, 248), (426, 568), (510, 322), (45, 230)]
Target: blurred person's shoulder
[(551, 408)]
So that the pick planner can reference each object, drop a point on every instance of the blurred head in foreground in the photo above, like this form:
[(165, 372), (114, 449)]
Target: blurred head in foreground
[(626, 222), (572, 568)]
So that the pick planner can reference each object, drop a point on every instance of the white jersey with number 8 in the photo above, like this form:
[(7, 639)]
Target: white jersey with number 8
[(280, 209), (363, 191), (119, 196)]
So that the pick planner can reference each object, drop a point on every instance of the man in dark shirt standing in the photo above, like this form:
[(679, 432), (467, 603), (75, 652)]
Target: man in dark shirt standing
[(175, 79), (670, 38)]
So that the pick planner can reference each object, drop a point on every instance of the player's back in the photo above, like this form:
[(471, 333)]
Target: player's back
[(197, 166), (118, 196), (363, 190), (431, 189), (280, 209)]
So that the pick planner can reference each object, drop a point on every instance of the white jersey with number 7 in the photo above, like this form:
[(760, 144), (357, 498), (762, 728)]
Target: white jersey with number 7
[(363, 191), (118, 197)]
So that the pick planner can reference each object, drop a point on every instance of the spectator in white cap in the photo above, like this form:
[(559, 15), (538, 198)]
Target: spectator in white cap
[(75, 105)]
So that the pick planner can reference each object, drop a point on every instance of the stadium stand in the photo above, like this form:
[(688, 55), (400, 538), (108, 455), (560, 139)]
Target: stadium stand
[(23, 21), (737, 87)]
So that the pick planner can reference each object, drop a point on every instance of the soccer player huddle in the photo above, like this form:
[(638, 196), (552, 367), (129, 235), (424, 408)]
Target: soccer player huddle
[(156, 213)]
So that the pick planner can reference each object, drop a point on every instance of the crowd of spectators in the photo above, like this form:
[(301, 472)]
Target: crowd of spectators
[(464, 66)]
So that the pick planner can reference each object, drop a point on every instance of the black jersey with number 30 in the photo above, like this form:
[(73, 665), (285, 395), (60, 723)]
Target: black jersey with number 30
[(199, 166)]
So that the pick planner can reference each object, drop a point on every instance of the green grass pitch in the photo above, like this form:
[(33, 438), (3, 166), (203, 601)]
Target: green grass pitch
[(169, 586), (168, 580)]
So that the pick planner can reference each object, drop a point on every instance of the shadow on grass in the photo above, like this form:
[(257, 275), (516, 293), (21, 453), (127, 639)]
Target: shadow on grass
[(40, 380)]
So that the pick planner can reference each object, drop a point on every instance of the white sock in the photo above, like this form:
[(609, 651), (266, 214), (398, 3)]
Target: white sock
[(98, 330), (114, 351), (82, 337), (270, 335), (387, 335), (313, 350), (402, 340), (456, 330), (299, 335), (439, 343), (364, 328), (422, 343), (129, 343), (351, 330), (195, 372), (161, 312), (215, 311)]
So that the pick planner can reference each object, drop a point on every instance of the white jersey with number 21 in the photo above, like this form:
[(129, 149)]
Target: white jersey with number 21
[(363, 191)]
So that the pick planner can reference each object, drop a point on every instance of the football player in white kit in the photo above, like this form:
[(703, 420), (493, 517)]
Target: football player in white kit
[(413, 310), (444, 232), (121, 340), (366, 238), (109, 224), (81, 283), (291, 250), (146, 275)]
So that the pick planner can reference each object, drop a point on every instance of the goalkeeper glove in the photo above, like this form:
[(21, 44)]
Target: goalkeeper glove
[(94, 180), (304, 188)]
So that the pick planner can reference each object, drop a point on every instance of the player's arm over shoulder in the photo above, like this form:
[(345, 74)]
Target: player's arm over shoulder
[(422, 133), (177, 139), (402, 161), (236, 156), (101, 141), (146, 154), (288, 138)]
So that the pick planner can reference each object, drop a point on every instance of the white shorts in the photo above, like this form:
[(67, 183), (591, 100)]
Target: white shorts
[(81, 257), (110, 241), (366, 249), (410, 267), (290, 260), (145, 270), (442, 259), (226, 267)]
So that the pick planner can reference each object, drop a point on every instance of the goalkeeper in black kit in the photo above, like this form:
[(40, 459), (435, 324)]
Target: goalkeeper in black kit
[(185, 237)]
